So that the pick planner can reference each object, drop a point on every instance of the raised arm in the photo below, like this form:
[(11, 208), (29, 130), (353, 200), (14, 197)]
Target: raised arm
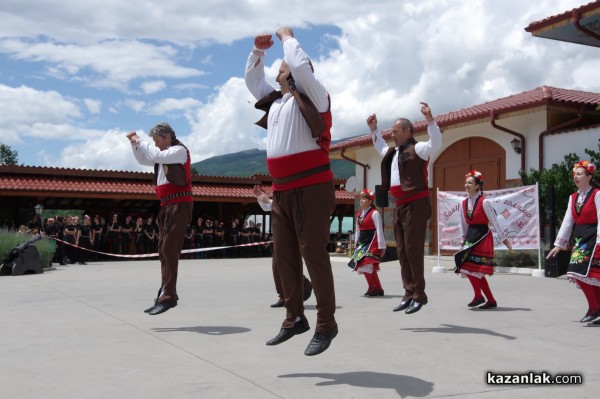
[(302, 70), (434, 144), (378, 142), (255, 68)]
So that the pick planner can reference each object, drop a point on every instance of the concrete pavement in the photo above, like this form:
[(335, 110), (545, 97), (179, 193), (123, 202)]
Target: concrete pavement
[(79, 332)]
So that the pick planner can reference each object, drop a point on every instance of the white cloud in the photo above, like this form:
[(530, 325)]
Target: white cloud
[(109, 64), (93, 106), (26, 112), (153, 87), (174, 106), (226, 123), (107, 150)]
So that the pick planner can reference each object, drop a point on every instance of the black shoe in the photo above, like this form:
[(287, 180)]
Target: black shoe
[(320, 342), (489, 305), (287, 333), (403, 305), (307, 292), (151, 307), (368, 293), (162, 307), (82, 263), (475, 302), (376, 293), (62, 264), (590, 317), (279, 304), (155, 301), (415, 306)]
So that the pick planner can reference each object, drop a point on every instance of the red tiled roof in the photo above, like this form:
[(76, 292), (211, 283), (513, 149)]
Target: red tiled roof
[(528, 99), (534, 26), (91, 183)]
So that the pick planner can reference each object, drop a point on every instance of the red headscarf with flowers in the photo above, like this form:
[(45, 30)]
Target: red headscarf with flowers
[(476, 174), (370, 195), (585, 164)]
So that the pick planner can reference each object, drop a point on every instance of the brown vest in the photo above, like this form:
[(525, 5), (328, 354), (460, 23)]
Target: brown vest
[(175, 172), (412, 169)]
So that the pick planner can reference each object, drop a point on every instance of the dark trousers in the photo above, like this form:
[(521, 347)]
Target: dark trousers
[(84, 242), (277, 280), (410, 227), (172, 221), (301, 230)]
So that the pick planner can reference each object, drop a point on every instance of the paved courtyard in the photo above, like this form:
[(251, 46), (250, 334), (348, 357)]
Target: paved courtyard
[(79, 332)]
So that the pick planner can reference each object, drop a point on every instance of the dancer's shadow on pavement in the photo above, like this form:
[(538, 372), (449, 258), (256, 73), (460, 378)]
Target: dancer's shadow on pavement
[(402, 384), (501, 309), (208, 330), (453, 329)]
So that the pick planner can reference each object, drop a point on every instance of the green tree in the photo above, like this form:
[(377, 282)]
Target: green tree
[(8, 156), (559, 178)]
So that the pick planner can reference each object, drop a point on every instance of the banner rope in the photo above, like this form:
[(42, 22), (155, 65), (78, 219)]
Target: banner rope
[(155, 254)]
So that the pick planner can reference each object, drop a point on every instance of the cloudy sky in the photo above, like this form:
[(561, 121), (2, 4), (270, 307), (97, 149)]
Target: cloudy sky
[(75, 77)]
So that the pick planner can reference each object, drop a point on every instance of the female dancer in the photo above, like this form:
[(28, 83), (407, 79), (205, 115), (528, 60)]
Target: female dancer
[(581, 218), (474, 260), (369, 243)]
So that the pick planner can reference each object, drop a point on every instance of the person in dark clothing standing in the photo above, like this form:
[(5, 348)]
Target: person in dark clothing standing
[(85, 239)]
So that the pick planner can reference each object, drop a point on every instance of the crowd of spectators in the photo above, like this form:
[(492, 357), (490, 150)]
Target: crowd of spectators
[(124, 236)]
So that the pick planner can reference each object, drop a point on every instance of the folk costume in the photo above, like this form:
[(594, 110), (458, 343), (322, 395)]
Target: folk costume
[(404, 172), (307, 285), (474, 260), (368, 245), (581, 222), (303, 191), (173, 179)]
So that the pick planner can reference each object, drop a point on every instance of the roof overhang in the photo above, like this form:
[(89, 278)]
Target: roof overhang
[(580, 25)]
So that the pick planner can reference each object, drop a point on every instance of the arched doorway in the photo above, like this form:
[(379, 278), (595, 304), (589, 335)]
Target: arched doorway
[(454, 162)]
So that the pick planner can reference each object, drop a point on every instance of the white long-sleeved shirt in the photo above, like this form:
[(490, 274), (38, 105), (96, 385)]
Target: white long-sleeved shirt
[(566, 228), (489, 212), (148, 154), (287, 130), (378, 228), (266, 206), (424, 149)]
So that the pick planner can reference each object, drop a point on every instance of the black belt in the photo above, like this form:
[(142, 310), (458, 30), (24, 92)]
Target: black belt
[(301, 175), (176, 195)]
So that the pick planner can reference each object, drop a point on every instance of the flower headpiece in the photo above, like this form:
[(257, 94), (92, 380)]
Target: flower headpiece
[(587, 165), (476, 174), (368, 193)]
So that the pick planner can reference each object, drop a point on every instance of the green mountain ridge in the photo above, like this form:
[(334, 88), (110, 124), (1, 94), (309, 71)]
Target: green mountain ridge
[(250, 162)]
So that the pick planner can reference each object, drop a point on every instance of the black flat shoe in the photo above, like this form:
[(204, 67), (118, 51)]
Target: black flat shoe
[(287, 333), (403, 305), (151, 307), (415, 306), (475, 302), (591, 316), (320, 342), (489, 305), (376, 293), (279, 304), (155, 302), (162, 307)]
